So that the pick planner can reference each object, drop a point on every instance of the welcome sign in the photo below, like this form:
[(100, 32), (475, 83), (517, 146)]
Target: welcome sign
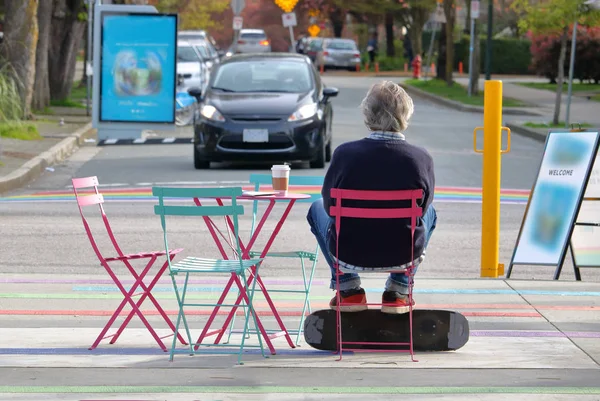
[(555, 199)]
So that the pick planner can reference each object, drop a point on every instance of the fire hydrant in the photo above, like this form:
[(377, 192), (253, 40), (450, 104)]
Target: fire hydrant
[(416, 65)]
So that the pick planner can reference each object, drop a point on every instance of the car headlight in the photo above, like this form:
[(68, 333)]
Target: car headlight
[(304, 112), (211, 113)]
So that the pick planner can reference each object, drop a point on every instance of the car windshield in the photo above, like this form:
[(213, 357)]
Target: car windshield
[(186, 54), (341, 45), (253, 35), (203, 51), (192, 36), (263, 76)]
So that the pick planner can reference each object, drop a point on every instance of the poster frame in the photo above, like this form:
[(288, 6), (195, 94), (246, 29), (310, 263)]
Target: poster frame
[(567, 242)]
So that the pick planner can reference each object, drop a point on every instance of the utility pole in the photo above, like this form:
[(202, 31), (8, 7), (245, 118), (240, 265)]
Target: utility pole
[(488, 46)]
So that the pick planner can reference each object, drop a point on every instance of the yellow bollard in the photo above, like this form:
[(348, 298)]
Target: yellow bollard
[(492, 150)]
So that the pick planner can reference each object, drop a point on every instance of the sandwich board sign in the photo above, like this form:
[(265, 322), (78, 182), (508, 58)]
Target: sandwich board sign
[(555, 200)]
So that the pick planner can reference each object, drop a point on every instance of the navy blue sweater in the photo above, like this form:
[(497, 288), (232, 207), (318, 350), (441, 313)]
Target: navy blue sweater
[(374, 164)]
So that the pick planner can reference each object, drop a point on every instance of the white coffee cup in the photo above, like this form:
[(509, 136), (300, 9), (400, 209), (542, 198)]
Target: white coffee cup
[(280, 178)]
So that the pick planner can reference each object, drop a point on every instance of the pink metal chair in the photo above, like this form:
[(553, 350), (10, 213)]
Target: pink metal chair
[(338, 211), (93, 197)]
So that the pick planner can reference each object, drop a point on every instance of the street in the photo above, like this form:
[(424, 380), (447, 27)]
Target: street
[(447, 134), (56, 297)]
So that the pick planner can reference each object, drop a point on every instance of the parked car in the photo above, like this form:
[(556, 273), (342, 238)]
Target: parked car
[(264, 107), (338, 53), (202, 35), (191, 69), (253, 41), (207, 52), (313, 46)]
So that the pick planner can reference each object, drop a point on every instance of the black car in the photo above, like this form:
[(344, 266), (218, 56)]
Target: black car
[(264, 107)]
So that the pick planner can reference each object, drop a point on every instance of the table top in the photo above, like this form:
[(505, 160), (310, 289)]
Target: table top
[(289, 196)]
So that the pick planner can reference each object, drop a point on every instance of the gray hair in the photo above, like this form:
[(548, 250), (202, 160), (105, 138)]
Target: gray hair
[(387, 107)]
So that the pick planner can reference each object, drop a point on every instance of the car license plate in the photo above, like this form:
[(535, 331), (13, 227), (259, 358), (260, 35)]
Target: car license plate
[(256, 135)]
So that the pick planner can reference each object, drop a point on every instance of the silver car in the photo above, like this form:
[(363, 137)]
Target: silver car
[(253, 41), (338, 53), (190, 66)]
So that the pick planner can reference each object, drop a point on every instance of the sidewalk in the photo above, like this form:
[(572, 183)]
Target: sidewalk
[(582, 110), (21, 160), (527, 339)]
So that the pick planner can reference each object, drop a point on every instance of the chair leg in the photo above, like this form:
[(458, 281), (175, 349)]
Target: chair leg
[(410, 314), (182, 313), (307, 287)]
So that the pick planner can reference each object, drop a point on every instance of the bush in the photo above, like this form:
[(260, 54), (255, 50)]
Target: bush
[(11, 108), (546, 50), (509, 56)]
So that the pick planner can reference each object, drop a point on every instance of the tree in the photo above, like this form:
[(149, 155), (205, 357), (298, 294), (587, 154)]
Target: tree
[(19, 46), (66, 33), (41, 87), (414, 16), (555, 17), (194, 14), (450, 13)]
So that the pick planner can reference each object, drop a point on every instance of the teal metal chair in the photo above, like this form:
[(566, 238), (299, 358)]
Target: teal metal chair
[(305, 257), (196, 265)]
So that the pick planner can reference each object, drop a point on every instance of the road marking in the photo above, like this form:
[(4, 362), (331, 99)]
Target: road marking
[(144, 193), (265, 313), (295, 390)]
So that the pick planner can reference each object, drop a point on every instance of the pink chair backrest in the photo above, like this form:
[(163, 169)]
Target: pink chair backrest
[(90, 199), (338, 211)]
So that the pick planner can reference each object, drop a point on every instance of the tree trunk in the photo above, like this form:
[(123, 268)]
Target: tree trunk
[(450, 13), (19, 44), (66, 36), (84, 78), (41, 88), (336, 16), (476, 60), (442, 54), (389, 35), (416, 39), (561, 74)]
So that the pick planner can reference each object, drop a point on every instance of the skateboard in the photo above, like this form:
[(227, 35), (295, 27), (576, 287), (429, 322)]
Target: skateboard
[(433, 330)]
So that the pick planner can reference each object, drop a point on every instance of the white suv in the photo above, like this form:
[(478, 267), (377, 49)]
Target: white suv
[(253, 41)]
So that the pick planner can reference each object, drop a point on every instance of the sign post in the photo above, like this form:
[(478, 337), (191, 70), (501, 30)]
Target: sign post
[(474, 16), (555, 202), (289, 20), (438, 18), (237, 6), (134, 71)]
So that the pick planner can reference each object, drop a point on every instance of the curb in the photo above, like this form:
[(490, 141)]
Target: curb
[(528, 132), (34, 167), (145, 141), (411, 90)]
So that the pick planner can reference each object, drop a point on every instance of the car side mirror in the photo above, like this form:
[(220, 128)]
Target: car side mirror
[(330, 92), (195, 92)]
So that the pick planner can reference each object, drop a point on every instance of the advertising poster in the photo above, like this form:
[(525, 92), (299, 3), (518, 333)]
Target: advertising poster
[(585, 242), (138, 78), (555, 198)]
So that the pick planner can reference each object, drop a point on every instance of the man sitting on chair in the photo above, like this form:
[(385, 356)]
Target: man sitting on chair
[(382, 161)]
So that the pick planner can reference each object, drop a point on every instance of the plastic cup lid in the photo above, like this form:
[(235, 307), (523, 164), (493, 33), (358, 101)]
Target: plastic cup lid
[(280, 167)]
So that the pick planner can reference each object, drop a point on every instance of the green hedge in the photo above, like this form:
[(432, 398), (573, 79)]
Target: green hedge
[(509, 56)]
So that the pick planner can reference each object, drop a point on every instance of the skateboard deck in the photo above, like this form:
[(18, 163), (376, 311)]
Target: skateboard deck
[(433, 330)]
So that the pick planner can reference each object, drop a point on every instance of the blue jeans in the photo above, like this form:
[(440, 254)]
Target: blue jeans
[(320, 225)]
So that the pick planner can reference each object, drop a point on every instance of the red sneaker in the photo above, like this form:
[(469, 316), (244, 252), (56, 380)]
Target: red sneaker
[(395, 303), (351, 301)]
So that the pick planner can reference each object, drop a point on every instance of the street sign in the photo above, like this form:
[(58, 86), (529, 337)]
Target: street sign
[(439, 15), (289, 19), (286, 5), (238, 23), (474, 9), (237, 6), (314, 30)]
